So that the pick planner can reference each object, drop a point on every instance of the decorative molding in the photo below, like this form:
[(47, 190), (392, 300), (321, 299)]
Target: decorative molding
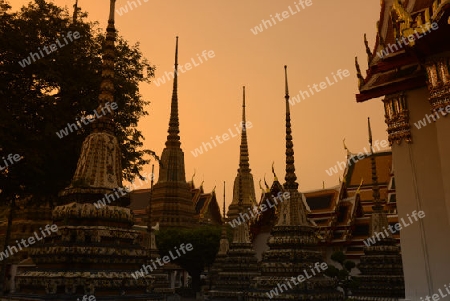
[(397, 118), (438, 83)]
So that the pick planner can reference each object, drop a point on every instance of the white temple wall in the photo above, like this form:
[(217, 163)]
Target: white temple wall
[(421, 174)]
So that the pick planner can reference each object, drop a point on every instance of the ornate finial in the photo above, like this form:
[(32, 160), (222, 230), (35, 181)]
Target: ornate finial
[(223, 201), (223, 249), (265, 182), (381, 43), (260, 186), (75, 12), (358, 74), (286, 87), (369, 53), (244, 165), (192, 179), (106, 97), (358, 191), (174, 126), (370, 134), (290, 177), (349, 153), (275, 178), (214, 189), (112, 4), (149, 208), (375, 187), (243, 107)]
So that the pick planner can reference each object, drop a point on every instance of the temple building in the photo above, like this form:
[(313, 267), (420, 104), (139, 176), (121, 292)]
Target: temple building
[(381, 265), (93, 251), (408, 68), (293, 250), (341, 213), (172, 200)]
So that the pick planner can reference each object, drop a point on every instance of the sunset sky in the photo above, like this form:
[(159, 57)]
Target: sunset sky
[(314, 41)]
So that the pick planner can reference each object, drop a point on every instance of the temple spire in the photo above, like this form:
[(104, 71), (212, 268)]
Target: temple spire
[(149, 208), (243, 186), (224, 245), (290, 177), (75, 12), (173, 139), (172, 196), (375, 187), (223, 202), (244, 165), (292, 213), (106, 97)]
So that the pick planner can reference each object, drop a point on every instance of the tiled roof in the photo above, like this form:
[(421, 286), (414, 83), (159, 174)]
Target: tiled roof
[(362, 169)]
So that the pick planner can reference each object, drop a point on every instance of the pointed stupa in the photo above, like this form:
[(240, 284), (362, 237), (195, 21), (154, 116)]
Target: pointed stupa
[(75, 12), (99, 169), (224, 246), (381, 265), (95, 250), (243, 174), (292, 213), (293, 245), (240, 265), (172, 200)]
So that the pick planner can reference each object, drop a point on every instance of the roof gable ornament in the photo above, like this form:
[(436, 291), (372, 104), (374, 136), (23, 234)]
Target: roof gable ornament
[(267, 189), (275, 178), (349, 153), (260, 187), (404, 24), (381, 43), (358, 74), (405, 18), (368, 51)]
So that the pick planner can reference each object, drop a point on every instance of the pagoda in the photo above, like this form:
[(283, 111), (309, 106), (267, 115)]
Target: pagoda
[(95, 250), (240, 265), (244, 175), (381, 265), (172, 200), (293, 249)]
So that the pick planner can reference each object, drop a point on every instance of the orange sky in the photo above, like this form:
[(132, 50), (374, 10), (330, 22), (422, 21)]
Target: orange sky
[(314, 42)]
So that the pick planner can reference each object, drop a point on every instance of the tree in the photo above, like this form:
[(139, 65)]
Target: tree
[(41, 98), (345, 280), (205, 242)]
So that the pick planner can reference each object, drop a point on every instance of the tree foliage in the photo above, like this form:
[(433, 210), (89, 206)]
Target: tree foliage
[(40, 99), (205, 242), (345, 280)]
